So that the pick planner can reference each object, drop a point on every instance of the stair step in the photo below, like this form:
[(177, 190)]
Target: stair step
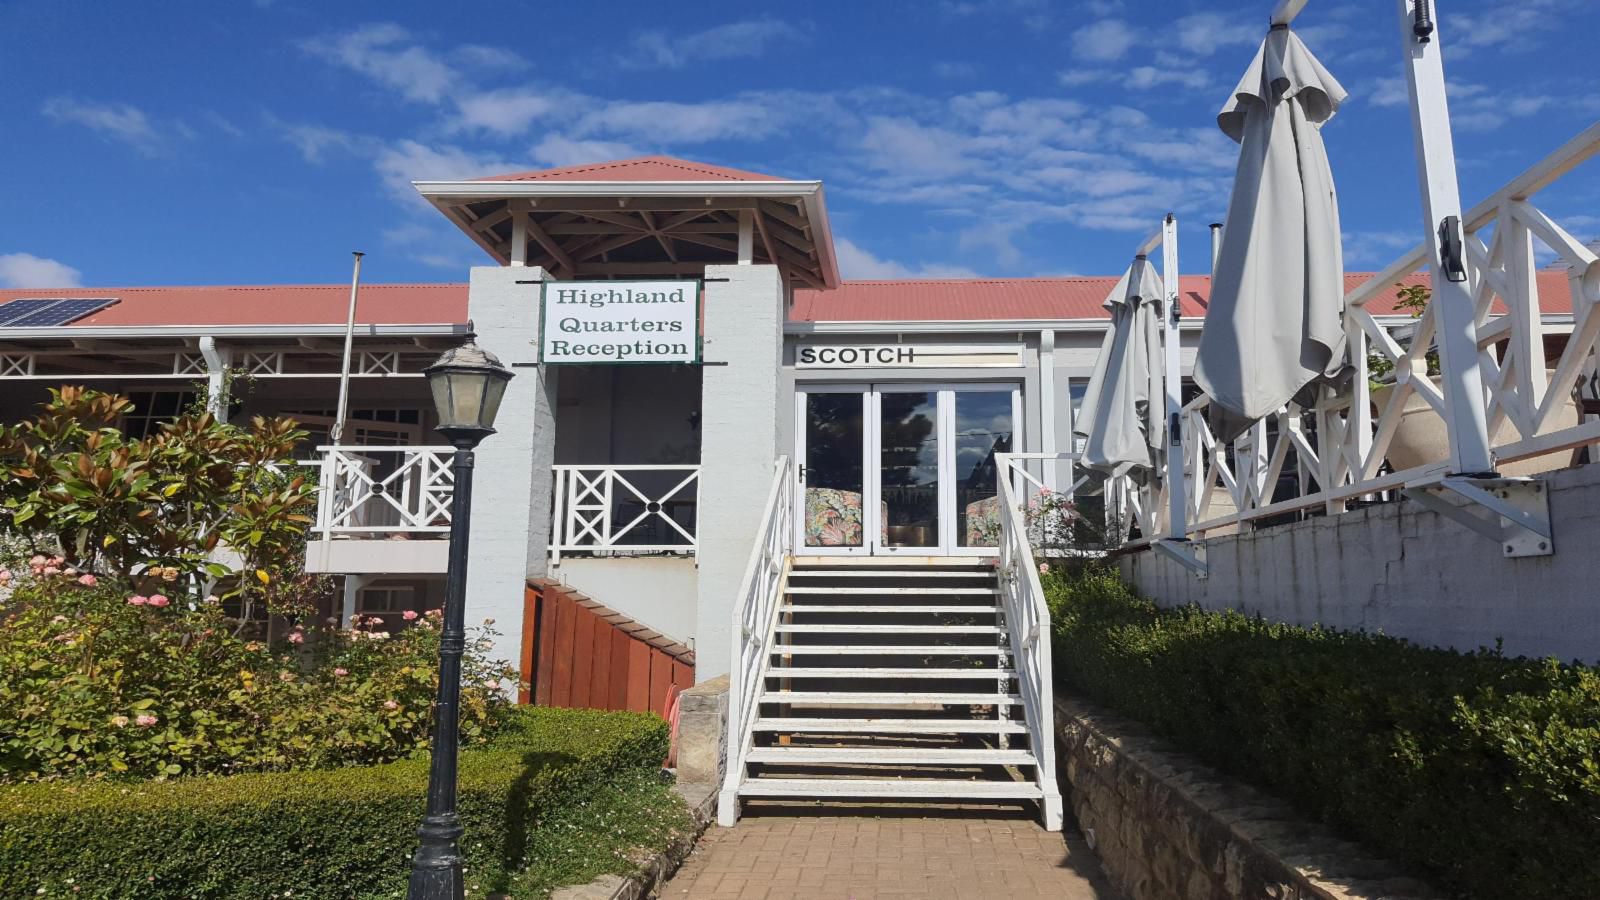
[(908, 756), (862, 698), (865, 672), (875, 573), (889, 629), (965, 610), (853, 562), (875, 650), (888, 787), (893, 591), (891, 726)]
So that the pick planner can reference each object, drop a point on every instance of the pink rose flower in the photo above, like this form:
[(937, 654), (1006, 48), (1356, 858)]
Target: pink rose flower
[(37, 561), (138, 600), (1044, 568), (50, 570), (390, 705), (55, 561), (296, 637), (5, 576), (87, 580), (211, 600), (409, 614), (374, 620), (159, 600), (145, 720), (340, 672)]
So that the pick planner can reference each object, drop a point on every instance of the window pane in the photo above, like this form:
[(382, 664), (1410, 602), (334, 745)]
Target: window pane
[(909, 468), (834, 486), (983, 428)]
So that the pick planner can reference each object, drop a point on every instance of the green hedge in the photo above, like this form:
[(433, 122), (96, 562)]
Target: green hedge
[(343, 833), (1481, 770)]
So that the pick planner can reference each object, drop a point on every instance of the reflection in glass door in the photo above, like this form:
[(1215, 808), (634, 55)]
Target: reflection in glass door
[(832, 476), (908, 467), (902, 469), (984, 425)]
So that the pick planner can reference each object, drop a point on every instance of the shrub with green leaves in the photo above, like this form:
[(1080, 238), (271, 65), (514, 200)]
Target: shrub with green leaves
[(98, 681), (1481, 770), (338, 834)]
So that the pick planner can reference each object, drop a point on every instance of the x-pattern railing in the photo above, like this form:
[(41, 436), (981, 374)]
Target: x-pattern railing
[(613, 508), (1340, 448), (368, 490)]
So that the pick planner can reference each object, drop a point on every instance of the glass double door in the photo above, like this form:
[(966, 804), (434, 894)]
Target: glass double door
[(901, 469)]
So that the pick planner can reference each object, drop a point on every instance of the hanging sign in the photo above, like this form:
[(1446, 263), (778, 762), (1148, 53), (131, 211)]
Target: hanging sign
[(905, 356), (619, 322)]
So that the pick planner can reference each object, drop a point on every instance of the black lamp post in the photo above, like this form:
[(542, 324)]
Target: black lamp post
[(467, 385)]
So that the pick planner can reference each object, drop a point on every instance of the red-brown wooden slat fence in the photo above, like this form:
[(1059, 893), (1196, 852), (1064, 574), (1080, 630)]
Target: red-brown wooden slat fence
[(578, 653)]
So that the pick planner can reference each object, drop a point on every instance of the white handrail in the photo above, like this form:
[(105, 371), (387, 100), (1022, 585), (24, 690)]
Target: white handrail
[(755, 615), (1028, 625)]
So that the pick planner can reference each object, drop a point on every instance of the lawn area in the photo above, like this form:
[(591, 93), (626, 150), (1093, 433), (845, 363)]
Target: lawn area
[(558, 797), (1481, 771)]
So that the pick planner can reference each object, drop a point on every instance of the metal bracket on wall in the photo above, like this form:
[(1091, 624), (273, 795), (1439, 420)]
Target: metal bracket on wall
[(1190, 555), (1517, 510)]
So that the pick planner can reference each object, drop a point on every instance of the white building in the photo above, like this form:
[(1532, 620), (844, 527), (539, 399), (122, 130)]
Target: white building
[(646, 486)]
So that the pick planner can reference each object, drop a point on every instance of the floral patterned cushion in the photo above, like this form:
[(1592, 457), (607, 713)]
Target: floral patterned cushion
[(833, 518), (983, 521)]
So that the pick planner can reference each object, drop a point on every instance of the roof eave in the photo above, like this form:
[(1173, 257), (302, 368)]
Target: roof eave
[(69, 332)]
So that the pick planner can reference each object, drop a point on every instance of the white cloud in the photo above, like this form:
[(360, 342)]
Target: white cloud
[(1373, 249), (24, 270), (1104, 41), (406, 161), (1206, 33), (857, 263), (315, 141), (735, 40), (487, 57), (667, 122), (383, 52), (1080, 77), (118, 121), (1146, 77), (504, 112), (556, 150)]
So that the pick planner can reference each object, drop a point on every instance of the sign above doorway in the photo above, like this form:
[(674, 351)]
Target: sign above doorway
[(619, 322), (908, 356)]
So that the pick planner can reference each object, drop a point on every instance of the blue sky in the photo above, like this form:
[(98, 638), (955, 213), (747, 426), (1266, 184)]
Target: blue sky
[(190, 142)]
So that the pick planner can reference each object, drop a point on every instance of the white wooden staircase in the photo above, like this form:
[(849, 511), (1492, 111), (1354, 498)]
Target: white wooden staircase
[(889, 678)]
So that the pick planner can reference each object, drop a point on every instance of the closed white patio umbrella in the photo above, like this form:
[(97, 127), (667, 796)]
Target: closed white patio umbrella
[(1275, 321), (1120, 417)]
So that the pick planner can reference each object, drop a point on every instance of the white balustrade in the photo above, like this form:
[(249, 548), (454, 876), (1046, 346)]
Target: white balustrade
[(1028, 626), (1343, 447), (632, 509), (755, 615), (373, 491)]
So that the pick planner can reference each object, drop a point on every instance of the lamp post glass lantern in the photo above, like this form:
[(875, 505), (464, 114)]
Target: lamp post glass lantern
[(468, 384)]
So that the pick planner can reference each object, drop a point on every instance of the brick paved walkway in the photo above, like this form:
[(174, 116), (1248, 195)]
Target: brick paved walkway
[(806, 853)]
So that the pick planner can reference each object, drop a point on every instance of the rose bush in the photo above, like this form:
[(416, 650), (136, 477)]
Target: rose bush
[(96, 680)]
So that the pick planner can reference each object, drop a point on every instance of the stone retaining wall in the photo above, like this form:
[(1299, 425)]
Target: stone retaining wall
[(1168, 828)]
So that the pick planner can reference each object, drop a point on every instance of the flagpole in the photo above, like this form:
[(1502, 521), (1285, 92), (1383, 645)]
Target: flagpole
[(336, 433)]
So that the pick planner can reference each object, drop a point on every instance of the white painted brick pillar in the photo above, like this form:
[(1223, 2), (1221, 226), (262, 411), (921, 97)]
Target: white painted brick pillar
[(744, 314), (512, 485)]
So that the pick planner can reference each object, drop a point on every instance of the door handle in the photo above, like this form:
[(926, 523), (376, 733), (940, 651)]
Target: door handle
[(801, 471)]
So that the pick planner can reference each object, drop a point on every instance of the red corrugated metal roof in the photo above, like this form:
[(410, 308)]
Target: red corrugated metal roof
[(991, 299), (643, 168), (287, 304), (976, 300)]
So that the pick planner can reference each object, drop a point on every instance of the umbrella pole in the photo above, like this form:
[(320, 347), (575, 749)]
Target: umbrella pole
[(1177, 524), (1452, 302)]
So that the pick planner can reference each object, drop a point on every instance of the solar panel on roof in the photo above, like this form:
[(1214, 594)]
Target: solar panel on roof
[(49, 312)]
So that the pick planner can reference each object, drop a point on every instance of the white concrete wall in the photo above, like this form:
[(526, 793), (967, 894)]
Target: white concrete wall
[(739, 440), (511, 489), (1410, 573), (660, 591)]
